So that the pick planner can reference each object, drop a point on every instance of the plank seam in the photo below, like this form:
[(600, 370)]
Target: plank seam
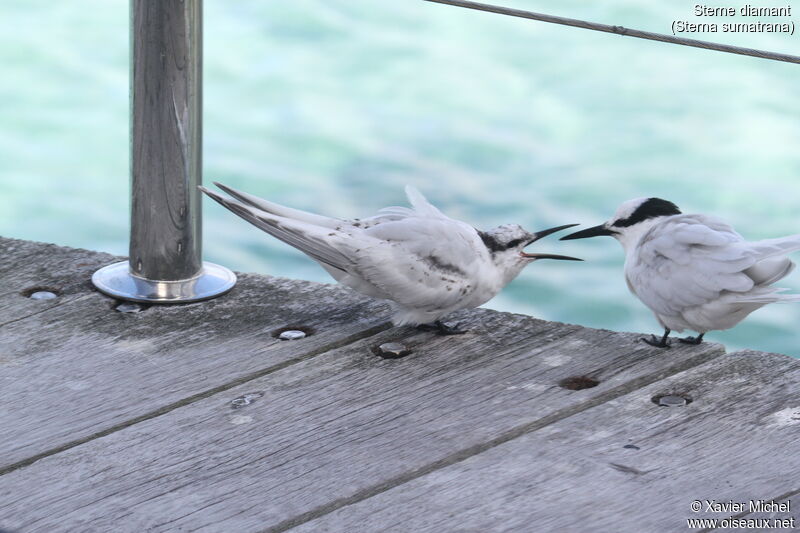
[(350, 339), (46, 309), (471, 451)]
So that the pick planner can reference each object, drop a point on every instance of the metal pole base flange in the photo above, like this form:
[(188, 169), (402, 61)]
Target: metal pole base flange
[(117, 281)]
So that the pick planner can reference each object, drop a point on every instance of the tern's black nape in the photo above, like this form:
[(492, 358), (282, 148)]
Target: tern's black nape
[(650, 208)]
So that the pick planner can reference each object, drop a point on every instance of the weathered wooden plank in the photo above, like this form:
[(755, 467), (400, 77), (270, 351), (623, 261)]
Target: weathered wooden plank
[(26, 265), (70, 372), (778, 519), (624, 466), (333, 430)]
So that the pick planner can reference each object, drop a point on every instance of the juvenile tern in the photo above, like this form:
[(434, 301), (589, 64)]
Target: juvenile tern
[(424, 262), (694, 271)]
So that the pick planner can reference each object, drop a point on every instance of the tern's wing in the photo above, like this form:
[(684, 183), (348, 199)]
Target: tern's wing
[(425, 263), (316, 241), (421, 207), (690, 260)]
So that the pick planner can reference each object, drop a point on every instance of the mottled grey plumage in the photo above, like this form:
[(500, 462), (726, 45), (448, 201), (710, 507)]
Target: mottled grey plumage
[(424, 262)]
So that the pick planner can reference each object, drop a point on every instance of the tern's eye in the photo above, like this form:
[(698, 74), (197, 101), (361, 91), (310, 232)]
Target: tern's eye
[(514, 243)]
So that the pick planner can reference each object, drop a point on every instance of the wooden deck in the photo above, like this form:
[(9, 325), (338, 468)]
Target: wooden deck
[(126, 422)]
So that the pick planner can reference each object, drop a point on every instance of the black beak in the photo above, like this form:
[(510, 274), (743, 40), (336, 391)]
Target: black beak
[(544, 233), (550, 256), (596, 231)]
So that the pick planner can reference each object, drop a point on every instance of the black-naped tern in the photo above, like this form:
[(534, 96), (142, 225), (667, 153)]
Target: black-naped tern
[(424, 262), (694, 271)]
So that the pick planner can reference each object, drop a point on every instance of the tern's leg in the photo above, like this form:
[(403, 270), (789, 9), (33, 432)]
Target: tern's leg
[(441, 328), (693, 340), (658, 343)]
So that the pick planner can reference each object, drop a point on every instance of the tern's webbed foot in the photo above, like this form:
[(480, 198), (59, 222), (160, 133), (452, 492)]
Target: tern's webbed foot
[(663, 342), (692, 340), (442, 329)]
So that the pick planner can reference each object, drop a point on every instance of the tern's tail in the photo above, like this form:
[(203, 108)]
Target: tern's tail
[(276, 209), (773, 265), (765, 295), (779, 246), (307, 237)]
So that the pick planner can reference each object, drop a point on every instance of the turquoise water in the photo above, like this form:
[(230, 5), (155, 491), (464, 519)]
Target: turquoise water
[(334, 105)]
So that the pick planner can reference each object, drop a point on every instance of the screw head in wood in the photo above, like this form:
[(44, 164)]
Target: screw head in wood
[(292, 335), (393, 350), (43, 295), (40, 292), (672, 400), (292, 332), (129, 307)]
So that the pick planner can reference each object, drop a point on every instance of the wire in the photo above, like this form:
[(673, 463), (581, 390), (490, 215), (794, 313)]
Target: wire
[(619, 30)]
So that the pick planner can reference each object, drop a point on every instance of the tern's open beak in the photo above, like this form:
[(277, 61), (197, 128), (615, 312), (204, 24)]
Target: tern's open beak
[(544, 233), (596, 231), (549, 256)]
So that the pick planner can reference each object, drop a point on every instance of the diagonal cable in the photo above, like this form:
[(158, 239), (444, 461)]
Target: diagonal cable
[(619, 30)]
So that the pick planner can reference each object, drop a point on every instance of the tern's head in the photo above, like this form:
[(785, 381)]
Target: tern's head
[(631, 221), (506, 243)]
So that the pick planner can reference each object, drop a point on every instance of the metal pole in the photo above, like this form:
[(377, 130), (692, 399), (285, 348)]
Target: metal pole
[(165, 262)]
